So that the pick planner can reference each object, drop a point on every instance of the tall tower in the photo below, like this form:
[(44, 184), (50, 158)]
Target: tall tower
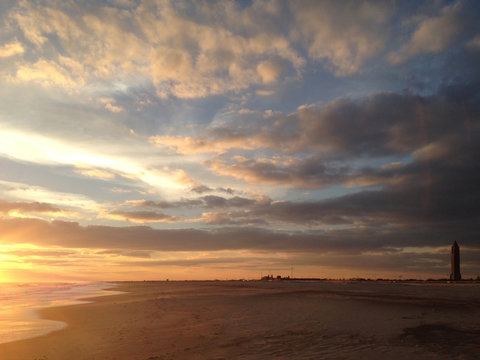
[(455, 275)]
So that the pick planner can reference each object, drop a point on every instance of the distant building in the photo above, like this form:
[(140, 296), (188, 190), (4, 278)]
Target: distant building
[(455, 274)]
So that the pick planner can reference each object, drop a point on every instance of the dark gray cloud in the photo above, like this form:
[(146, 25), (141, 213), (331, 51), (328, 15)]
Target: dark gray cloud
[(351, 240), (430, 197), (438, 192), (188, 203), (380, 125), (218, 202), (143, 216), (385, 249), (307, 173), (27, 207), (200, 189), (237, 218), (208, 201), (437, 184)]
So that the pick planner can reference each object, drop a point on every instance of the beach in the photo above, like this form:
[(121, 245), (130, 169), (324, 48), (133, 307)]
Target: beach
[(264, 320), (20, 302)]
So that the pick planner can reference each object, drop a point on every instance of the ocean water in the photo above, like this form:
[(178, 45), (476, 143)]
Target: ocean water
[(19, 303)]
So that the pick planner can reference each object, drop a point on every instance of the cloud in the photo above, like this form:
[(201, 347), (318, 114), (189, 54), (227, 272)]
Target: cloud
[(208, 201), (197, 50), (228, 218), (378, 125), (142, 216), (343, 34), (195, 57), (200, 189), (119, 190), (474, 43), (185, 145), (11, 49), (28, 207), (312, 172), (265, 92), (165, 204), (40, 252), (299, 173), (431, 196), (47, 73), (71, 205), (433, 190), (434, 33), (180, 176), (109, 105), (183, 56), (128, 253), (218, 202), (93, 172), (72, 235), (270, 70), (36, 32), (102, 160), (189, 145), (320, 147)]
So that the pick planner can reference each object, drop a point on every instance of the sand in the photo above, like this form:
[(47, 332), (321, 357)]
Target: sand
[(264, 320)]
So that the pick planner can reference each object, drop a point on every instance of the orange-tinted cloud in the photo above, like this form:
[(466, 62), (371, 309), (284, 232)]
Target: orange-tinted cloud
[(11, 49), (344, 44), (142, 216), (183, 56), (93, 172)]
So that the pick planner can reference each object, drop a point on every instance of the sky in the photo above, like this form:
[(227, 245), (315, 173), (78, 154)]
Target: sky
[(145, 139)]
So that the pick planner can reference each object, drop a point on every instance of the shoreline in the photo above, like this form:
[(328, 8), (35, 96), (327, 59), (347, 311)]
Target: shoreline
[(21, 317), (154, 320)]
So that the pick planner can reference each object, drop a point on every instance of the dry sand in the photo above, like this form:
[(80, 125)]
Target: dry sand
[(264, 320)]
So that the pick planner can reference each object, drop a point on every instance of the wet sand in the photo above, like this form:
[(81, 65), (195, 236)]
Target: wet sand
[(264, 320)]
